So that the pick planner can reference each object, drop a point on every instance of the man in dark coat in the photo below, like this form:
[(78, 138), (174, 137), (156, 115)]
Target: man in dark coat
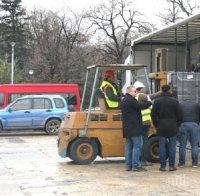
[(132, 129), (166, 117)]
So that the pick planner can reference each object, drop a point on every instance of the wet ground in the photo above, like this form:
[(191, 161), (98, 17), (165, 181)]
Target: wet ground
[(29, 165)]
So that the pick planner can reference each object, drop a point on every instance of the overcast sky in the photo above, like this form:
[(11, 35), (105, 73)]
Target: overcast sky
[(150, 8)]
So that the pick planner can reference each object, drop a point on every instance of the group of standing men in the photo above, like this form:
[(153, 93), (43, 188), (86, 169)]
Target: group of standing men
[(169, 117)]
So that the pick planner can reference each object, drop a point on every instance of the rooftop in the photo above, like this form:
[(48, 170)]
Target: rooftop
[(167, 34)]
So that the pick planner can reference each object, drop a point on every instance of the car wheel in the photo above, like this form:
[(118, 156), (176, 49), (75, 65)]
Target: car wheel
[(152, 153), (83, 151), (52, 126)]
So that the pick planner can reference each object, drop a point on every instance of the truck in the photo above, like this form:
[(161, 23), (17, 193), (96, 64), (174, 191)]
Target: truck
[(10, 92)]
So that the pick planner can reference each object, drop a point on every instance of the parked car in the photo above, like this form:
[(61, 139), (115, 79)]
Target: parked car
[(34, 112)]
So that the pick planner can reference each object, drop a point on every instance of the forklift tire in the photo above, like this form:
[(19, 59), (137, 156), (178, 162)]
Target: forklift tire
[(83, 151), (152, 153)]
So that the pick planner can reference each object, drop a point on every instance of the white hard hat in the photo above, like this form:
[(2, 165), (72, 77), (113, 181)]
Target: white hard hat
[(138, 84)]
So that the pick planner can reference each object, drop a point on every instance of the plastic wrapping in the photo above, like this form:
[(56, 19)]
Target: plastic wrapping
[(186, 85)]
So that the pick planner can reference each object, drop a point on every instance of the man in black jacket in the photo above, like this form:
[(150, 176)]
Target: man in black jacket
[(166, 117), (132, 129), (189, 130)]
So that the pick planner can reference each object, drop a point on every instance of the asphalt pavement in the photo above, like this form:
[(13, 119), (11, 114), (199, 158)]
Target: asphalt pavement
[(29, 165)]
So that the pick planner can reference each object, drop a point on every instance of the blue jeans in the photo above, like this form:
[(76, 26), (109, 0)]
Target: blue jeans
[(133, 148), (189, 130), (172, 151)]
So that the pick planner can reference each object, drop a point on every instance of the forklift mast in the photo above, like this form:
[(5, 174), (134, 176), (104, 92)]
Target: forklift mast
[(159, 77)]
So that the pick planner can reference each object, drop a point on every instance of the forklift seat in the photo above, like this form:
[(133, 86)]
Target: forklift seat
[(102, 104)]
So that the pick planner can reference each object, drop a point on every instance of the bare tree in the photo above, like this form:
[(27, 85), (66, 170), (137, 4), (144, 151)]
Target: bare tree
[(188, 7), (46, 32), (178, 9), (172, 13), (73, 39), (116, 24), (55, 40)]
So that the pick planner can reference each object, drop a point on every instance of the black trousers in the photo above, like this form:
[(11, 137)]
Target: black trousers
[(145, 142)]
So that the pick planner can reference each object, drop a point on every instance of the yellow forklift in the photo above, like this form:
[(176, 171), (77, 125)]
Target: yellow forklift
[(87, 133)]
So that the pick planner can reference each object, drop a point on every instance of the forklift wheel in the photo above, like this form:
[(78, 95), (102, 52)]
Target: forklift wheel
[(153, 149), (83, 151)]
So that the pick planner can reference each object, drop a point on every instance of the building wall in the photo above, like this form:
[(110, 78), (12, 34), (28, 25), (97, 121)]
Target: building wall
[(143, 56), (195, 51)]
